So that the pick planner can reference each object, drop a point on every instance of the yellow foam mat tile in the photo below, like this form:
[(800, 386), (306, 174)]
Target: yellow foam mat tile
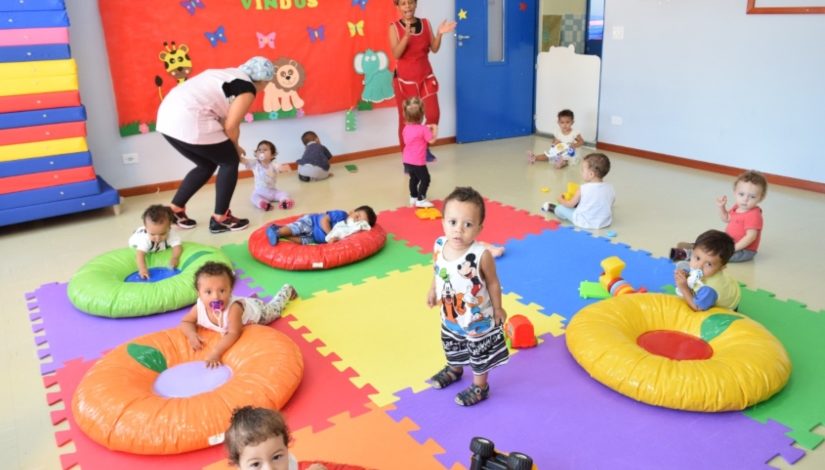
[(31, 85), (37, 68), (384, 331), (42, 148)]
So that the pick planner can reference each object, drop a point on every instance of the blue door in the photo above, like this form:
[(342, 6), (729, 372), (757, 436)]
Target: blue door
[(495, 68)]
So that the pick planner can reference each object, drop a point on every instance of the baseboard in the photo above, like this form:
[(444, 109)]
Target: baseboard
[(711, 167), (347, 157)]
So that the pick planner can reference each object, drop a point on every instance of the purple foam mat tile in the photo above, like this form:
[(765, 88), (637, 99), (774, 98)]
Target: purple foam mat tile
[(72, 334), (790, 453), (543, 404)]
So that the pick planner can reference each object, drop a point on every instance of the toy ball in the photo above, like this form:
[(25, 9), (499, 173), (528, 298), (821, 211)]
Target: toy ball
[(519, 332), (428, 213)]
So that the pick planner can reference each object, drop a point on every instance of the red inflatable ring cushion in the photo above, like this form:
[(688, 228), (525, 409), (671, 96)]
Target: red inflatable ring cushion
[(297, 257), (154, 394)]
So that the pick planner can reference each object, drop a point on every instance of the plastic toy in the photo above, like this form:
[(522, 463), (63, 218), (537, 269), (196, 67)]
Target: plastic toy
[(571, 191), (351, 168), (545, 189), (561, 150), (485, 457), (519, 332), (611, 278), (592, 290), (428, 213), (611, 233)]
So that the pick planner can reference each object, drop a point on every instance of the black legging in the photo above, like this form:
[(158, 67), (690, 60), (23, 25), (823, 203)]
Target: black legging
[(419, 180), (207, 158)]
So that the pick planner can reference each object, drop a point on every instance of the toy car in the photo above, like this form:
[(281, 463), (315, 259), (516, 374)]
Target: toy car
[(519, 332), (485, 457)]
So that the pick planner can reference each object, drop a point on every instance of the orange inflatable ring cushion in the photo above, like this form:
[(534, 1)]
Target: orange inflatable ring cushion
[(154, 395), (655, 349), (297, 257)]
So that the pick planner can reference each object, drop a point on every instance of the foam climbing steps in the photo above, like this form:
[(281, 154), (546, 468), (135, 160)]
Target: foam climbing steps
[(35, 101)]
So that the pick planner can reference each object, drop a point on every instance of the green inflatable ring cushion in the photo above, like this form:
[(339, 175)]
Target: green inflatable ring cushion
[(100, 287)]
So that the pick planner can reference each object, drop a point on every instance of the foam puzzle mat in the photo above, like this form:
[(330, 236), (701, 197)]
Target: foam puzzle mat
[(369, 344)]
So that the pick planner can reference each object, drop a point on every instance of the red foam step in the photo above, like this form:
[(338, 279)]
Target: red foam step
[(13, 184), (22, 135), (58, 99)]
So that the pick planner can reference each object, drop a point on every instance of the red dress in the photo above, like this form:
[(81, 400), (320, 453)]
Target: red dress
[(414, 74)]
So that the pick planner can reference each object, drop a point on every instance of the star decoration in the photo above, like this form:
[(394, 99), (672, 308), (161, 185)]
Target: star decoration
[(462, 14)]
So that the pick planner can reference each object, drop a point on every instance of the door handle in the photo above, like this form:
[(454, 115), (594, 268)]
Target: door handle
[(462, 37)]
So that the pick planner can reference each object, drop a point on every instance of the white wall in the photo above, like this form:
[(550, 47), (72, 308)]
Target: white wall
[(159, 162), (702, 80)]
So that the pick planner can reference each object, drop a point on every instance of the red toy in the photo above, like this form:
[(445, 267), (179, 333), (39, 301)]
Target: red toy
[(519, 332)]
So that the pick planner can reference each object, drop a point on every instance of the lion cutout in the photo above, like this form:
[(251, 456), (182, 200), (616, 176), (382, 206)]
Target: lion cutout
[(281, 94)]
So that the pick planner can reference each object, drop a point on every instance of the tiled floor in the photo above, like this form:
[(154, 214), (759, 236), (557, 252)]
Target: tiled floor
[(657, 205)]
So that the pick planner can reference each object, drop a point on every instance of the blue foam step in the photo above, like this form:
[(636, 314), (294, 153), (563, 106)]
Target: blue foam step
[(107, 196), (31, 5), (29, 53), (51, 163), (61, 192), (41, 117), (33, 19)]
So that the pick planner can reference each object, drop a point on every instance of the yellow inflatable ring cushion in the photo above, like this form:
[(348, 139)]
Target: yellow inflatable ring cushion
[(155, 395), (655, 349)]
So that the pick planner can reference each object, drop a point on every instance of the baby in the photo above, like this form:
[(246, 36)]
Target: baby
[(265, 169), (326, 227), (155, 235), (218, 310)]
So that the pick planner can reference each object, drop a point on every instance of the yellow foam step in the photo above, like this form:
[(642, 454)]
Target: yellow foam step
[(43, 148), (38, 68), (28, 86)]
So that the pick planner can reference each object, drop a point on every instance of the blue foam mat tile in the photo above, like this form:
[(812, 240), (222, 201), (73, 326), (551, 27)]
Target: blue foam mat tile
[(29, 53), (31, 5), (107, 196), (546, 269), (33, 19), (50, 194), (41, 117), (51, 163)]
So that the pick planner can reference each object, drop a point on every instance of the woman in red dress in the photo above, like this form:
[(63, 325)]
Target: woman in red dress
[(411, 40)]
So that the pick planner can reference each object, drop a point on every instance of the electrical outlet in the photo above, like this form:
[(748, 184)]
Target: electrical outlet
[(130, 158), (618, 33), (616, 120)]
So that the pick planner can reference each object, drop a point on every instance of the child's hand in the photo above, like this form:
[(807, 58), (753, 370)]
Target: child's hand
[(173, 263), (333, 239), (500, 315), (195, 341), (680, 278), (722, 201), (212, 361), (431, 300), (144, 273)]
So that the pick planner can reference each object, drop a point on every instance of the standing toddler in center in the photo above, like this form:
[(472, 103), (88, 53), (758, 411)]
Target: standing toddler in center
[(468, 290), (417, 137), (264, 168)]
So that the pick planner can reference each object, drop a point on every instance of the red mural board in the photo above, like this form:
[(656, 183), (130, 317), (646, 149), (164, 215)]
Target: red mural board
[(324, 36)]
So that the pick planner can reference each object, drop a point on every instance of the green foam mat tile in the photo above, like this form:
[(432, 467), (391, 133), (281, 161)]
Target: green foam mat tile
[(395, 256), (800, 405)]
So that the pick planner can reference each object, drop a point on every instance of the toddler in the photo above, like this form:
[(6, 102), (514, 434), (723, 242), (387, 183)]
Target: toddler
[(218, 310), (258, 439), (468, 289), (704, 283), (744, 218), (314, 163), (265, 169), (417, 138), (565, 142), (155, 235), (591, 207), (326, 227)]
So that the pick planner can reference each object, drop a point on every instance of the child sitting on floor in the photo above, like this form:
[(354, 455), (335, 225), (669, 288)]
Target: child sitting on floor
[(265, 169), (218, 310), (258, 438), (591, 207), (155, 235), (326, 227), (705, 283), (314, 163), (565, 142)]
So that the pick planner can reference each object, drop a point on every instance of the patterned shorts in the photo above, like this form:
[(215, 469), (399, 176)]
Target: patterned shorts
[(481, 353)]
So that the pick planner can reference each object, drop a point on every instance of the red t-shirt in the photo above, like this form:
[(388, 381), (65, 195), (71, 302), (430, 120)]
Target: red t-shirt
[(741, 222)]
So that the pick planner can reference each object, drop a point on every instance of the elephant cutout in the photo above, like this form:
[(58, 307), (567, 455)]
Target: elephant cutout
[(377, 78)]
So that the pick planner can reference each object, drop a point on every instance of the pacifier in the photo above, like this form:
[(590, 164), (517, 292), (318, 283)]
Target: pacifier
[(216, 305)]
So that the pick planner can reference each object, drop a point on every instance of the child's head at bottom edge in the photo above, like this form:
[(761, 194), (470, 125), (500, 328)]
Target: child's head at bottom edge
[(257, 438)]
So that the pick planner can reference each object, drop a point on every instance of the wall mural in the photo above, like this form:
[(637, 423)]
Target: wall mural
[(330, 55)]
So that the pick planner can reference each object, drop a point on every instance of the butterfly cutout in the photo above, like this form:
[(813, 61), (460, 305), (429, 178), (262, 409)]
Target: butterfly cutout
[(356, 28), (360, 3), (316, 34), (190, 5), (218, 35), (265, 40)]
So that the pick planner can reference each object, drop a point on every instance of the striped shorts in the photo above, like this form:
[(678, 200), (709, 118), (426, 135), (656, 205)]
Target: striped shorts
[(481, 353)]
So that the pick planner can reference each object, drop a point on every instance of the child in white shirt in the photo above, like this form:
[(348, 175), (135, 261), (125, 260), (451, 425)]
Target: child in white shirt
[(592, 205), (266, 195), (565, 142), (155, 235)]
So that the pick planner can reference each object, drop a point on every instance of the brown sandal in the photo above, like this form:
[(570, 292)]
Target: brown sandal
[(445, 377)]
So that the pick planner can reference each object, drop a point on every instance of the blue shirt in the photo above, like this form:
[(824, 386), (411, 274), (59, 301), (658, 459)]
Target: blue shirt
[(318, 233)]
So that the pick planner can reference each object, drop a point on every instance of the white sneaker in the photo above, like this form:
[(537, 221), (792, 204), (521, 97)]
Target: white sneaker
[(413, 200), (423, 203)]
